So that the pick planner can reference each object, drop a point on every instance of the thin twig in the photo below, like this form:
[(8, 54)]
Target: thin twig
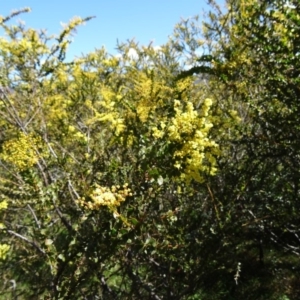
[(27, 240), (34, 215)]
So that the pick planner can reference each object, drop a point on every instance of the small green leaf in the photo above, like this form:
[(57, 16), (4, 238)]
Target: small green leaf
[(134, 221)]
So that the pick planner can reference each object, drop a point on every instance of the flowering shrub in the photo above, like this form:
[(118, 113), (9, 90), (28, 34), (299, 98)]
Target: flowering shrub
[(71, 135)]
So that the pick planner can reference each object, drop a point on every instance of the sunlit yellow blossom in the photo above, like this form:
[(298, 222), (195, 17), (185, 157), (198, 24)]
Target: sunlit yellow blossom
[(156, 133), (4, 248), (105, 196), (3, 205), (191, 129), (21, 151)]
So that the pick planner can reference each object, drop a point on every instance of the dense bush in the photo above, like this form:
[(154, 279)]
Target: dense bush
[(164, 175)]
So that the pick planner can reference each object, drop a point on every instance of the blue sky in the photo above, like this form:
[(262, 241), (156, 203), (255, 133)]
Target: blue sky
[(144, 20)]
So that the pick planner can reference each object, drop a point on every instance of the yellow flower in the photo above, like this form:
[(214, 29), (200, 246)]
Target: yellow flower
[(157, 133), (22, 151), (105, 196), (190, 129), (3, 205), (4, 248)]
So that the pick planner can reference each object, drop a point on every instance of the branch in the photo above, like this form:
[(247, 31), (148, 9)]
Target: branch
[(34, 215), (35, 245)]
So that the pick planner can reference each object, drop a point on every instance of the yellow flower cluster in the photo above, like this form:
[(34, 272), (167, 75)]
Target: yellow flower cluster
[(105, 196), (21, 151), (190, 129), (144, 90), (146, 93), (71, 26), (28, 44), (3, 205), (105, 111), (159, 133), (4, 248)]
